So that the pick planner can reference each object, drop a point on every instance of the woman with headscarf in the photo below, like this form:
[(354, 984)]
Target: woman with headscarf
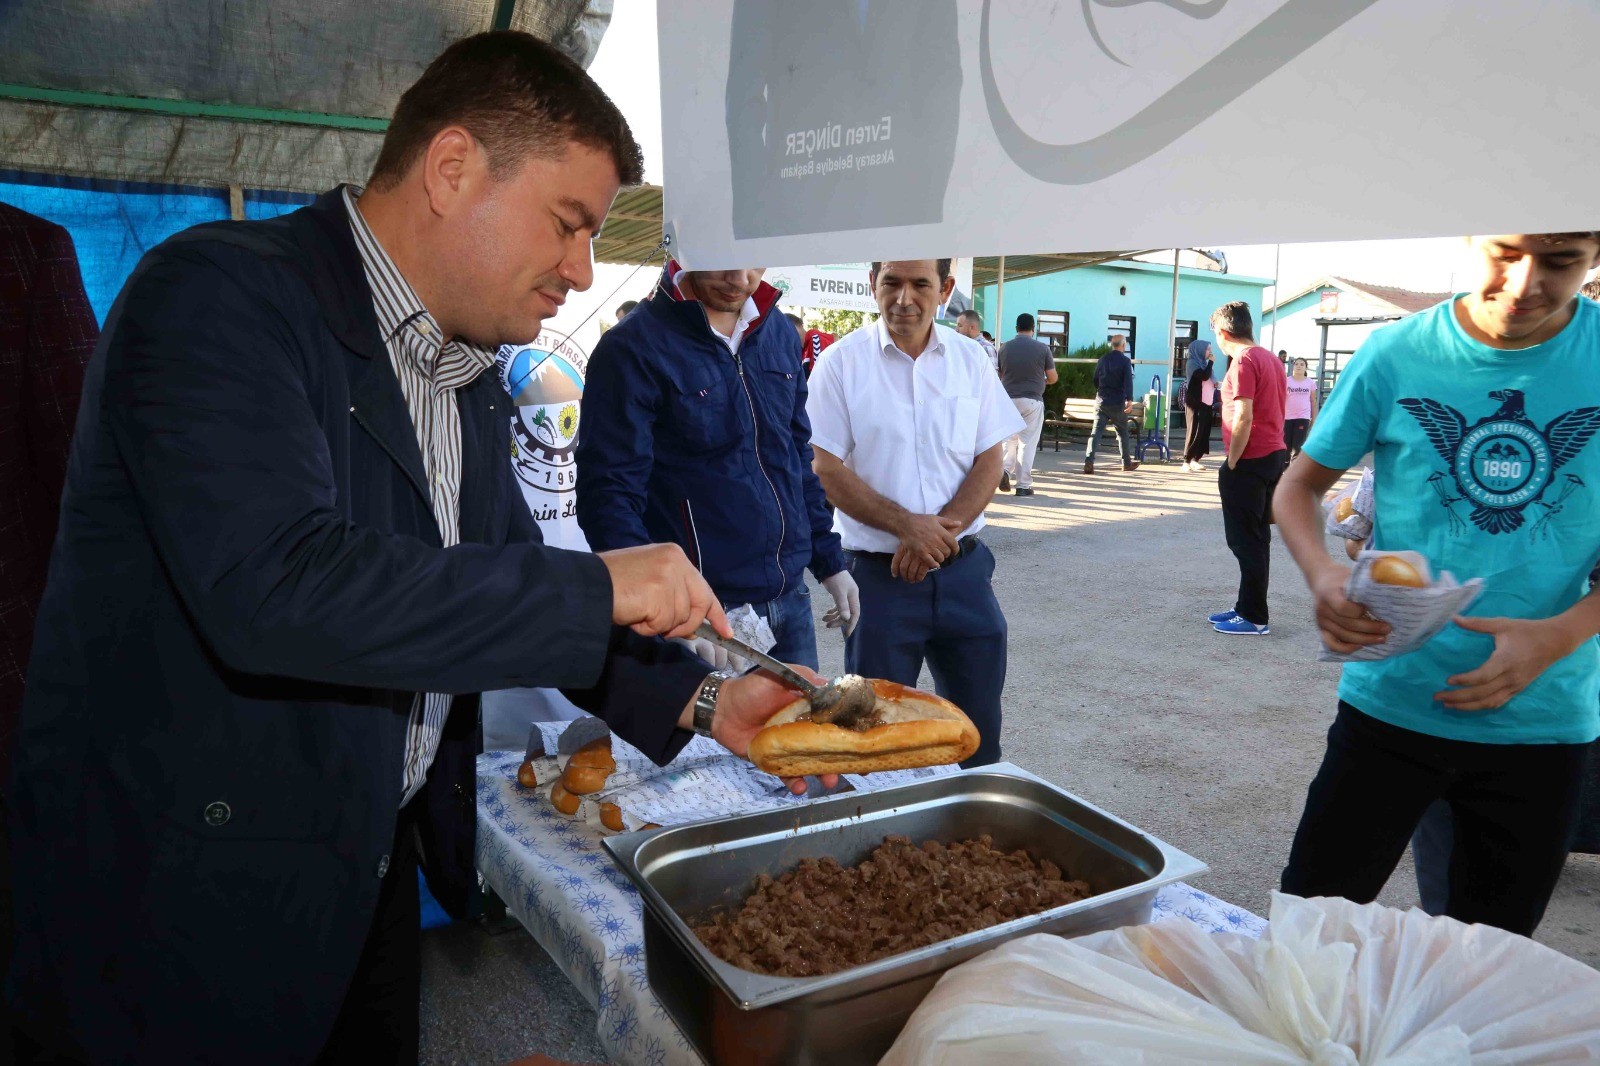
[(1197, 409)]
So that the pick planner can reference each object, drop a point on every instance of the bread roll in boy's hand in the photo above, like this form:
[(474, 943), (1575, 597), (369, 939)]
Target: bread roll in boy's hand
[(1393, 570)]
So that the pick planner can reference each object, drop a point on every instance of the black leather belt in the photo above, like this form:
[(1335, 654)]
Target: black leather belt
[(965, 547)]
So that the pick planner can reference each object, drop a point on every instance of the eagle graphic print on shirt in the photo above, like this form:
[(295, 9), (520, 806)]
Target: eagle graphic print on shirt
[(1503, 465), (1485, 462)]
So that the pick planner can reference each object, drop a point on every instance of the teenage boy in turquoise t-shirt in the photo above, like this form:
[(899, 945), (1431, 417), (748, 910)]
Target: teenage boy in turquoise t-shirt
[(1481, 415)]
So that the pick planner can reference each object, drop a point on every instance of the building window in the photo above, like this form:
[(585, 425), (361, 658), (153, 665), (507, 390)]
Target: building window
[(1128, 326), (1185, 332), (1051, 327)]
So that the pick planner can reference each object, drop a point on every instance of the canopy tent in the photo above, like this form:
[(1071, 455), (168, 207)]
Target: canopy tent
[(292, 95), (632, 235), (126, 122)]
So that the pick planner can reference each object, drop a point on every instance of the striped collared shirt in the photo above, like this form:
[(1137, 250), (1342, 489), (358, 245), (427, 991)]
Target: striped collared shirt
[(429, 371)]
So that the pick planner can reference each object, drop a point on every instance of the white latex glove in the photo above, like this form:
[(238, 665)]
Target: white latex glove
[(715, 654), (846, 609)]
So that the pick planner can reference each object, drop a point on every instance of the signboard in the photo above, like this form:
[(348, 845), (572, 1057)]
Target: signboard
[(880, 129), (842, 288), (1328, 303)]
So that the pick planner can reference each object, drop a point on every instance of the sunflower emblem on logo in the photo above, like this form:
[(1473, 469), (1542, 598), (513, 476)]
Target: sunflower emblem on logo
[(545, 382)]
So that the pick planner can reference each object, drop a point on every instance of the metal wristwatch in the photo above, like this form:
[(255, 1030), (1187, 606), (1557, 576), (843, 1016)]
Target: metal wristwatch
[(705, 701)]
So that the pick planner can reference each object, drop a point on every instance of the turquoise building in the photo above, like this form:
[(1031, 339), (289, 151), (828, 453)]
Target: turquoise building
[(1086, 305)]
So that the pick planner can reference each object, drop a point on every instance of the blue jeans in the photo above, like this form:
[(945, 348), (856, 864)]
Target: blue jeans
[(790, 618), (1430, 855), (951, 620)]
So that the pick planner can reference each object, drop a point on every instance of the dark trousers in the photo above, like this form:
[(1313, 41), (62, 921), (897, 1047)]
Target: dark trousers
[(1514, 807), (1246, 492), (951, 620), (1434, 839), (379, 1020), (1197, 432), (1294, 434), (1430, 856), (1109, 414)]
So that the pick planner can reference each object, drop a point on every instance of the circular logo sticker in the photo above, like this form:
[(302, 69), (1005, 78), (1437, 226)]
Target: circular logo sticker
[(1503, 465), (545, 381)]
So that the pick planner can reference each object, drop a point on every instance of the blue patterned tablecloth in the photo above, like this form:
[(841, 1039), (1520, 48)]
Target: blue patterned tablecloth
[(561, 885)]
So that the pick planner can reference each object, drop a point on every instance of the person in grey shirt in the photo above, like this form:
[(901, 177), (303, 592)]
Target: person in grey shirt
[(970, 324), (1026, 367)]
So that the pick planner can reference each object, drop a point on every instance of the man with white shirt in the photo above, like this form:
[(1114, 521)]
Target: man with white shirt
[(694, 432), (907, 421)]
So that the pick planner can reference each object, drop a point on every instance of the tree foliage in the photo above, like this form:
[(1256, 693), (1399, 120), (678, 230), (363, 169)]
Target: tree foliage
[(1076, 380), (837, 323)]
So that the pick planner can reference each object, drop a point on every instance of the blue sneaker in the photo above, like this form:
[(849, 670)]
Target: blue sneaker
[(1236, 626), (1220, 616)]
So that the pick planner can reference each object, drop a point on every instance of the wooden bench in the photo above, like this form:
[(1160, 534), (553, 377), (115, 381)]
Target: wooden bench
[(1078, 413)]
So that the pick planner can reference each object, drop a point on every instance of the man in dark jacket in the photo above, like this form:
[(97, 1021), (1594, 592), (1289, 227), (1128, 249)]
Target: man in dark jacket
[(695, 432), (47, 331), (291, 553), (1113, 399)]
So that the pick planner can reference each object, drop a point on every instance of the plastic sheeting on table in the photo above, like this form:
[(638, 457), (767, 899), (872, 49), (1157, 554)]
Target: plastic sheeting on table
[(561, 885)]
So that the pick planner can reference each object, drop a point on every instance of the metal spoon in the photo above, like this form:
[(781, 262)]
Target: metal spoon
[(840, 702)]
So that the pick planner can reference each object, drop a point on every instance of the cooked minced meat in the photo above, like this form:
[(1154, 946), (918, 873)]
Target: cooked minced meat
[(822, 917)]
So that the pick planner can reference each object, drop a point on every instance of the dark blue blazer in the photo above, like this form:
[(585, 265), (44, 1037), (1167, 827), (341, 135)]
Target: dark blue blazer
[(247, 589)]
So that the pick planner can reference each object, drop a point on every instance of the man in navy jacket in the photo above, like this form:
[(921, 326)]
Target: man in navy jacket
[(229, 763), (695, 432)]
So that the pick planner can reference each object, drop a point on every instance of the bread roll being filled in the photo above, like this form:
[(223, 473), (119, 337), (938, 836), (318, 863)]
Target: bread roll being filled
[(908, 728)]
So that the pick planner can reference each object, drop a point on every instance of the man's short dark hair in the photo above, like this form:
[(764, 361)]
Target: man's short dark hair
[(969, 315), (1234, 318), (1025, 322), (988, 336), (795, 320), (944, 267), (624, 307), (519, 96)]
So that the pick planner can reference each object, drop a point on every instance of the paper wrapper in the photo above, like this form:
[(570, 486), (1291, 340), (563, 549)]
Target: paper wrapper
[(704, 781), (1413, 614), (753, 630), (1359, 525)]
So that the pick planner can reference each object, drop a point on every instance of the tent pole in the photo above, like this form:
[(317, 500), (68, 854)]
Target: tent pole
[(1322, 362), (1000, 304), (1277, 251), (1172, 346)]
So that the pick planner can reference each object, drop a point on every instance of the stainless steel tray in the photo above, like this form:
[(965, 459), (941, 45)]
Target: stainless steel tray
[(736, 1016)]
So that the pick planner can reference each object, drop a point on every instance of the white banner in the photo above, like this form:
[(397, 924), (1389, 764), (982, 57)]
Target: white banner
[(843, 287), (872, 129)]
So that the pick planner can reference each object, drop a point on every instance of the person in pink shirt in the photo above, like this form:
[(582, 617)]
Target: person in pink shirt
[(1301, 409), (1253, 395)]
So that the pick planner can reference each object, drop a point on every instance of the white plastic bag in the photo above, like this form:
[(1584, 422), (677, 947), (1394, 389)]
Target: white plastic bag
[(1332, 983)]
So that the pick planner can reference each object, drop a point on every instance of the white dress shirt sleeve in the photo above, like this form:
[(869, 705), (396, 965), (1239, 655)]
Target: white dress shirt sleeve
[(997, 415), (827, 409)]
